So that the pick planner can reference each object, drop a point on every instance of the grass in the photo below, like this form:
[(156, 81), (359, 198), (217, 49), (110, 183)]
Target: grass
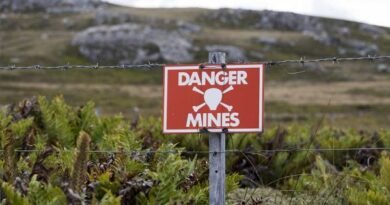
[(113, 99), (109, 101), (369, 117), (186, 14), (270, 196), (111, 77), (377, 92)]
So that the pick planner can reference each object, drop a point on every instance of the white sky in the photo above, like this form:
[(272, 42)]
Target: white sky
[(369, 11)]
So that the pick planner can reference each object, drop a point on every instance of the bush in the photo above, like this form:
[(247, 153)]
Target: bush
[(57, 154)]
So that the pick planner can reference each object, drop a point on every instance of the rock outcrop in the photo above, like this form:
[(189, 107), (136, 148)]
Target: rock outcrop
[(54, 6), (133, 43), (104, 16), (371, 30), (313, 27), (265, 20)]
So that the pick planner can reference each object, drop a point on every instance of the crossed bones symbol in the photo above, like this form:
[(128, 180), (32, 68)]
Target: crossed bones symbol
[(198, 107)]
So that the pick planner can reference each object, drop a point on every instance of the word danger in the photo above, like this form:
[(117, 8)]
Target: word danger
[(213, 78), (217, 78)]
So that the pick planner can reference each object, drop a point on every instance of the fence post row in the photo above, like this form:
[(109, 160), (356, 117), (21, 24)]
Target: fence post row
[(217, 163)]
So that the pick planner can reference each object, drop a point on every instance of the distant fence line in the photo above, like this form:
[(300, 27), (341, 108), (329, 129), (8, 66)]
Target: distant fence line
[(148, 66)]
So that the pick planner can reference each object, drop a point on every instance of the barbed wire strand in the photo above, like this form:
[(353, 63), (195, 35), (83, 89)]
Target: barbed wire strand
[(157, 65), (329, 59), (226, 151), (70, 66), (150, 66)]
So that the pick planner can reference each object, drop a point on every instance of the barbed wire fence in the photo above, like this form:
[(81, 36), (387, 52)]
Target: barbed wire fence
[(148, 66), (226, 151), (151, 66), (155, 66)]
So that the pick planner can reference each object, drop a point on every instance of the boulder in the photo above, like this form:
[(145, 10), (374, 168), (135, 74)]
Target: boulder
[(132, 43)]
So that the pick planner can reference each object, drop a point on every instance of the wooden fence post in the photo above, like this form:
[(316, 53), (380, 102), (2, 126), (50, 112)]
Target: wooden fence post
[(217, 163)]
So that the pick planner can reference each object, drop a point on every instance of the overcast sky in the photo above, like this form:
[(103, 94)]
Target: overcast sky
[(368, 11)]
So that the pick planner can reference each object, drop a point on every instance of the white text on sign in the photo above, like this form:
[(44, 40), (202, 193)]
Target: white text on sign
[(213, 97), (213, 78)]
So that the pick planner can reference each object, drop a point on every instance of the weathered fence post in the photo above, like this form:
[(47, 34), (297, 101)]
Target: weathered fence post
[(217, 158)]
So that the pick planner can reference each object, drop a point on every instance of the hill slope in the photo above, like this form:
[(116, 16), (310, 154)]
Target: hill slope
[(112, 34)]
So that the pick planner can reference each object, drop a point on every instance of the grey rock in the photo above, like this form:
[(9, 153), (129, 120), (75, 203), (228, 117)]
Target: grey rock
[(3, 16), (361, 47), (343, 31), (5, 5), (341, 51), (68, 23), (265, 19), (270, 20), (322, 37), (104, 16), (257, 55), (233, 53), (383, 68), (289, 21), (54, 6), (267, 40), (15, 60), (188, 28), (132, 43), (44, 36), (374, 31), (315, 67)]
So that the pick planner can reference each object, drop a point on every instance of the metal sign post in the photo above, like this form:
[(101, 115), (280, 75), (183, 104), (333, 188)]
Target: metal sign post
[(217, 160)]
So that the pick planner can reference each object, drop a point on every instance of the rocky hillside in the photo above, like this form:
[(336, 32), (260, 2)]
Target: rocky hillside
[(57, 6), (111, 34), (351, 94)]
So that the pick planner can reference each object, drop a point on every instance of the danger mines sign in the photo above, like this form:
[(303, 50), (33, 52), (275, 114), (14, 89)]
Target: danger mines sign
[(213, 98)]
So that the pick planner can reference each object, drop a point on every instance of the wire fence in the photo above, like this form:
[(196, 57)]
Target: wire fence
[(178, 151), (302, 61), (149, 66)]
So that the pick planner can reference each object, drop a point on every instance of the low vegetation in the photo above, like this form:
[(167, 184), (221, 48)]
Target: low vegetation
[(53, 153)]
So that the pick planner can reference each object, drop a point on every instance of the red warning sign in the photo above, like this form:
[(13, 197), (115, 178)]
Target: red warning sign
[(213, 98)]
